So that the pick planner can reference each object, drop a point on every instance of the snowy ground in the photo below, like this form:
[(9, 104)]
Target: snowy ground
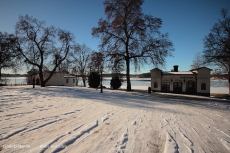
[(74, 119), (216, 90)]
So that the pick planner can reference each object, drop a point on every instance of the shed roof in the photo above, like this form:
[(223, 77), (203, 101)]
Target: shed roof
[(177, 73), (69, 76), (201, 68)]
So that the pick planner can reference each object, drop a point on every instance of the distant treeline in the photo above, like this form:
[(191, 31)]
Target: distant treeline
[(13, 75), (143, 75), (123, 75)]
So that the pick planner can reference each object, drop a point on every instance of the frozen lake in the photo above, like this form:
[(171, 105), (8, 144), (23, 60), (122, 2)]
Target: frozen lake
[(14, 80), (137, 83)]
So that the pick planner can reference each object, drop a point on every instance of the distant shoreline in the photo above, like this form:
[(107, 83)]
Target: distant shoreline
[(13, 75)]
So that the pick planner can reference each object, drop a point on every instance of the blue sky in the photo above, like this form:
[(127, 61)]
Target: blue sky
[(186, 21)]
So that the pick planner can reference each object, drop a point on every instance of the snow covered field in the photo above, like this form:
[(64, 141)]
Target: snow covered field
[(75, 119)]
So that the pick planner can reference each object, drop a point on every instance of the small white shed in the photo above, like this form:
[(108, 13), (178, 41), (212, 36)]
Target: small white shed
[(58, 78)]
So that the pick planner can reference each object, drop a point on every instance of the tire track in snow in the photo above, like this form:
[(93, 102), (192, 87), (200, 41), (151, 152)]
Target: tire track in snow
[(51, 143), (187, 142), (214, 132), (48, 144), (14, 132), (17, 131), (223, 140), (204, 127), (43, 125), (71, 112), (172, 125), (222, 132), (184, 142), (81, 139), (73, 137), (111, 132), (170, 145), (225, 143)]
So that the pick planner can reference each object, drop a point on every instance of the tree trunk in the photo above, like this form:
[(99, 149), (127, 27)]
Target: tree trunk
[(229, 83), (228, 86), (228, 76), (0, 73), (43, 83), (127, 74), (83, 79)]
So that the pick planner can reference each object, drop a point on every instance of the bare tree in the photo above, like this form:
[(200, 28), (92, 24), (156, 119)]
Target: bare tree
[(81, 60), (7, 51), (43, 47), (65, 66), (217, 45), (96, 61), (132, 36), (198, 61), (117, 66)]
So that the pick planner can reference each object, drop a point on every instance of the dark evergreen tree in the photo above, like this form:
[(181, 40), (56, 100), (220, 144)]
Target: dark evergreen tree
[(115, 82), (94, 80), (8, 56)]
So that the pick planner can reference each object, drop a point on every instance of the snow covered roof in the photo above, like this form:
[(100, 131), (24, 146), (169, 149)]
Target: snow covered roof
[(69, 76), (176, 73), (201, 68)]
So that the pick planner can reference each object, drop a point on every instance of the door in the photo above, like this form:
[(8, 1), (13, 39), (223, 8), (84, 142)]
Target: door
[(37, 82), (165, 86), (177, 87), (190, 87)]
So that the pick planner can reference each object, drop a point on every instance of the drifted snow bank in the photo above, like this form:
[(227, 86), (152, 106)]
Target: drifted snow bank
[(219, 90), (72, 119)]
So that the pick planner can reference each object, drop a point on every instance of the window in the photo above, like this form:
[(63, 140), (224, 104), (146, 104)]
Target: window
[(203, 86), (155, 85), (73, 80), (165, 86), (67, 80)]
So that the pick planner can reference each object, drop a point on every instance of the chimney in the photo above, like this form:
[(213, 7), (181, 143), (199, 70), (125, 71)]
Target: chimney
[(175, 68)]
